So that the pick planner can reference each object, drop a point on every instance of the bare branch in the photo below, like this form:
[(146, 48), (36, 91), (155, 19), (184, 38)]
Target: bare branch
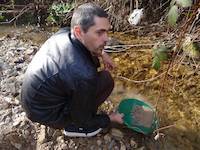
[(25, 9)]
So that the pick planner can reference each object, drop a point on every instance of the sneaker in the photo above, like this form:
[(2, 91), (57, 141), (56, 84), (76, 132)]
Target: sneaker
[(73, 131)]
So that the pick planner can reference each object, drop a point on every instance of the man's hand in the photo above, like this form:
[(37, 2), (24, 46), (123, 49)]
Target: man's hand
[(116, 117), (108, 64)]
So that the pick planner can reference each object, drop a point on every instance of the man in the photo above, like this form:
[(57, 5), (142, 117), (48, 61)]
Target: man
[(62, 87)]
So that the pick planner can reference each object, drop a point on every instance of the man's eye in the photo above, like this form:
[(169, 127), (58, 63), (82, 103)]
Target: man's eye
[(100, 33)]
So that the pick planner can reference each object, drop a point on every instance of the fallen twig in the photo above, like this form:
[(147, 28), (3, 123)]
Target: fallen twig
[(195, 20), (5, 5), (141, 81), (166, 127), (10, 11), (21, 6), (131, 45), (122, 48)]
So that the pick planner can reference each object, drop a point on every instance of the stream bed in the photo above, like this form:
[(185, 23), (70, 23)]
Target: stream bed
[(177, 97)]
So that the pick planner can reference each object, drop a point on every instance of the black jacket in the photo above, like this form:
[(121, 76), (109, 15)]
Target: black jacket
[(61, 78)]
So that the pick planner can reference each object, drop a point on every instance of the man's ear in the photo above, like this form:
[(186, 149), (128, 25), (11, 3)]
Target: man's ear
[(77, 31)]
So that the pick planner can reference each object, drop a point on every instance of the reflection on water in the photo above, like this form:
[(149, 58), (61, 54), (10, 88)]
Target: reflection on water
[(6, 29), (179, 103), (28, 33), (185, 135)]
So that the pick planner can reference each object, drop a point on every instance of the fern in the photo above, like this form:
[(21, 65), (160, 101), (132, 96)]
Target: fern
[(173, 13), (1, 17), (184, 3), (159, 55), (57, 12)]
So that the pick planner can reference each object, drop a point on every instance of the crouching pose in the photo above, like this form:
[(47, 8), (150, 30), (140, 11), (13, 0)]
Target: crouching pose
[(62, 87)]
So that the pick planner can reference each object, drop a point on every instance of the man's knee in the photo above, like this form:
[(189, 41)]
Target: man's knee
[(107, 79)]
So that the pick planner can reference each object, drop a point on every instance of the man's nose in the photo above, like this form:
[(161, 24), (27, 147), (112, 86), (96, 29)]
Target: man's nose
[(106, 37)]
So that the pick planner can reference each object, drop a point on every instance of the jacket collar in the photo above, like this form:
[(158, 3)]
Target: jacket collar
[(79, 45)]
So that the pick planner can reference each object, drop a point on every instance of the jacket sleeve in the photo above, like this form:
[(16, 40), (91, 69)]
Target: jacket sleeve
[(83, 107)]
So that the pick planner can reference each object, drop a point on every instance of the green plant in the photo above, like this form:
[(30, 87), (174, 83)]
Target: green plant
[(57, 12), (174, 12), (1, 16), (190, 47), (160, 53)]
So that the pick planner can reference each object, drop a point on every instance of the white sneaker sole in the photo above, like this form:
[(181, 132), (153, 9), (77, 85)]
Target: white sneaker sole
[(75, 134)]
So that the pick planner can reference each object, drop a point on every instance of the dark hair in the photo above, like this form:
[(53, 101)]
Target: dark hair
[(84, 15)]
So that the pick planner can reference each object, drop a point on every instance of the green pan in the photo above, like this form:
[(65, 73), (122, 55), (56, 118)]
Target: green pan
[(138, 115)]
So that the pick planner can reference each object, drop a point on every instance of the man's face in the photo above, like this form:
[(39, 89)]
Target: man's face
[(96, 37)]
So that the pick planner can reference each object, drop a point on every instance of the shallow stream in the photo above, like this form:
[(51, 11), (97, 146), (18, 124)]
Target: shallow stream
[(178, 102)]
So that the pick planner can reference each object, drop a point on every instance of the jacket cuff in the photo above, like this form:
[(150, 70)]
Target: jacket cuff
[(104, 120)]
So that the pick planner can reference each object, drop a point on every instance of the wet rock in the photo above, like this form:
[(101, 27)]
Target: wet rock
[(142, 148), (20, 118), (60, 139), (12, 88), (63, 146), (111, 144), (5, 102), (92, 147), (1, 64), (26, 133), (5, 117), (17, 111), (31, 51), (45, 146), (42, 135), (99, 142), (16, 131), (4, 106), (122, 146), (11, 72), (107, 138), (14, 139), (19, 49), (57, 133), (117, 133), (71, 144), (18, 60), (116, 148), (133, 143), (7, 120), (2, 38)]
